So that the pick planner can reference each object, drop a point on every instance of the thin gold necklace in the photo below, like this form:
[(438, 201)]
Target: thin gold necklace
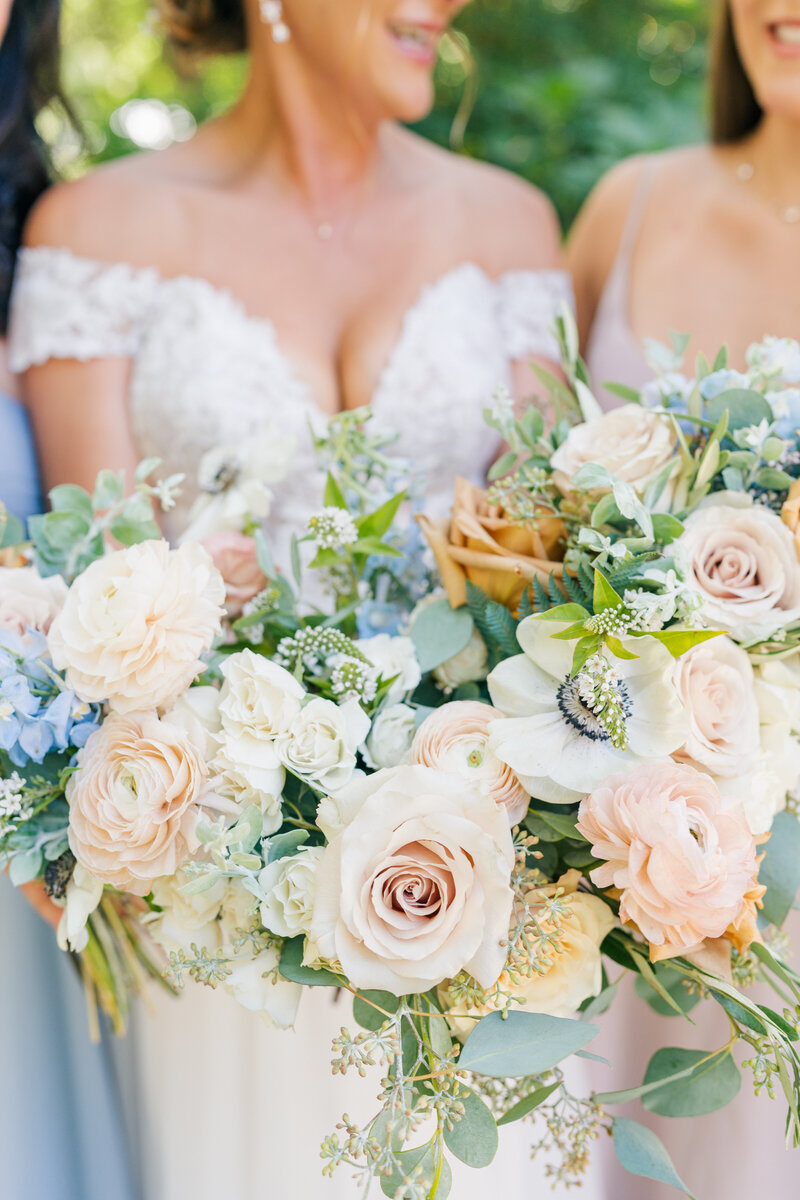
[(789, 214)]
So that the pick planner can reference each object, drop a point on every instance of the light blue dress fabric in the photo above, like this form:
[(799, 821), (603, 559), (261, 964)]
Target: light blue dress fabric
[(60, 1121)]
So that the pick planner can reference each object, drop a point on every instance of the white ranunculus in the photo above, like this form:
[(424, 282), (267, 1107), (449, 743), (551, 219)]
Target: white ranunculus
[(258, 698), (196, 712), (468, 666), (390, 738), (81, 898), (136, 623), (631, 442), (416, 888), (186, 919), (393, 656), (27, 601), (289, 884), (557, 748), (255, 986), (744, 564), (716, 686), (320, 743)]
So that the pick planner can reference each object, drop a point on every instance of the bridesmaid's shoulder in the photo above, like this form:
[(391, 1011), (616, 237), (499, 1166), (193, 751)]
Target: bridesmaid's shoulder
[(128, 210), (505, 220)]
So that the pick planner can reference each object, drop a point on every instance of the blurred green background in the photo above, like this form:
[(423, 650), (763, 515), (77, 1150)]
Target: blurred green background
[(562, 88)]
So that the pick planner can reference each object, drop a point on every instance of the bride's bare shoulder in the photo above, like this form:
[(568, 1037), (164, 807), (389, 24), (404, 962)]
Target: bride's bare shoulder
[(507, 222), (131, 210)]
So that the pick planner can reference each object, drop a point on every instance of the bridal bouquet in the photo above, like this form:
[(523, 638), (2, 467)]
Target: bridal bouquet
[(473, 808)]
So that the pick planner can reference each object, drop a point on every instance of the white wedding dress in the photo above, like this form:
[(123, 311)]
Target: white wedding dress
[(229, 1108)]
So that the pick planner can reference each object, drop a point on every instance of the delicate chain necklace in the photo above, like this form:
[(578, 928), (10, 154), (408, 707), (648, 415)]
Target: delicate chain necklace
[(790, 214)]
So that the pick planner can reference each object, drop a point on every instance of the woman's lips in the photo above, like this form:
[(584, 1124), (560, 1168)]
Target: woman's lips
[(420, 43), (785, 38)]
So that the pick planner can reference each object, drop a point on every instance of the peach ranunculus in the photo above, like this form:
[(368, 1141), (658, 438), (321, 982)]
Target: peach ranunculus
[(455, 738), (415, 887), (496, 554), (790, 514), (682, 860), (135, 624), (632, 443), (234, 556), (133, 800), (27, 601), (576, 967), (745, 566)]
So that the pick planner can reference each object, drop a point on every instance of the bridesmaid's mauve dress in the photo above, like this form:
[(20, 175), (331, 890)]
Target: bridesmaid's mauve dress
[(737, 1153), (60, 1124)]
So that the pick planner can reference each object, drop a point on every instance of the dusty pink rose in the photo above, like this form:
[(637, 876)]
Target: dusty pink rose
[(133, 800), (28, 601), (455, 738), (234, 556), (682, 861)]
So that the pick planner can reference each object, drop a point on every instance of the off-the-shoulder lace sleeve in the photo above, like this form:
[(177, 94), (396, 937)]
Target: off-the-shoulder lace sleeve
[(64, 306), (529, 303)]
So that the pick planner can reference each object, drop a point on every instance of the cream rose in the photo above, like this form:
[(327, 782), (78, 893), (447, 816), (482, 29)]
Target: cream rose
[(744, 564), (630, 442), (320, 744), (135, 624), (468, 666), (716, 686), (29, 602), (196, 712), (390, 738), (258, 699), (133, 800), (682, 859), (455, 738), (417, 885), (186, 919), (234, 556), (394, 658), (575, 972), (289, 885)]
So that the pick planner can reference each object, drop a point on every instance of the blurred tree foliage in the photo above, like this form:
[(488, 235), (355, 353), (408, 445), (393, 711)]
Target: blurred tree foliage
[(561, 89)]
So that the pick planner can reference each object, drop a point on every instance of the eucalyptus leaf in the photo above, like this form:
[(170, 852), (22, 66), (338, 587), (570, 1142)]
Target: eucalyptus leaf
[(474, 1138), (264, 554), (292, 968), (439, 632), (712, 1085), (422, 1160), (672, 982), (640, 1152), (780, 869), (773, 479), (25, 867), (367, 1008), (522, 1043), (743, 405), (523, 1107)]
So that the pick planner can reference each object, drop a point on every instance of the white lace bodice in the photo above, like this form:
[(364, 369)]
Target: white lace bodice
[(205, 373)]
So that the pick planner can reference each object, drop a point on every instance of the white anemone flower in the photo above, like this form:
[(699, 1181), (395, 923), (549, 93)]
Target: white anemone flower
[(558, 747)]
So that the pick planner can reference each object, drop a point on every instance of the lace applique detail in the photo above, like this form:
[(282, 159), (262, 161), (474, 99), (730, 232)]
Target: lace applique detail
[(69, 307), (529, 303)]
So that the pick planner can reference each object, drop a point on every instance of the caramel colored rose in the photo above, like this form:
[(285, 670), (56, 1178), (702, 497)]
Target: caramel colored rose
[(790, 513), (484, 546)]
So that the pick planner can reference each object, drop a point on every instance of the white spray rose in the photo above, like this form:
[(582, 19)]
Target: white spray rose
[(136, 623), (468, 666), (393, 656), (320, 743), (289, 884), (258, 698), (631, 442), (186, 918), (196, 712), (390, 738)]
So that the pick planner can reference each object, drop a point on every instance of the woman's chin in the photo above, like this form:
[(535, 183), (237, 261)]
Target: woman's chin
[(410, 104)]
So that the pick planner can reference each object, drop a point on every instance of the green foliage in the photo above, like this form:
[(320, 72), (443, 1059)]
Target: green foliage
[(474, 1138), (672, 982), (439, 632), (780, 870), (714, 1081), (564, 88), (641, 1153), (291, 967), (429, 1168), (522, 1043)]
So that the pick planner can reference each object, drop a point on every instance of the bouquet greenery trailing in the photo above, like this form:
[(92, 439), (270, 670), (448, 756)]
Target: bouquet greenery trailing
[(475, 806)]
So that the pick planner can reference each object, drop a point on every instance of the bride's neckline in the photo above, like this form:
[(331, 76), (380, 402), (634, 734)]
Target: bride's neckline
[(427, 292)]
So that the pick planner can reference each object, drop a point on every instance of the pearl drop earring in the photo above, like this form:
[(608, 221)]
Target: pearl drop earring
[(272, 15)]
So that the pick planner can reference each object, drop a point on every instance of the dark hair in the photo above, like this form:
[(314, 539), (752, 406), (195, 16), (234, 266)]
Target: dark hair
[(735, 111), (197, 27), (29, 69)]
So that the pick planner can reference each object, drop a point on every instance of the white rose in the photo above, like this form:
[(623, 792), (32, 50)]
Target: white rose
[(335, 812), (289, 884), (782, 676), (246, 771), (716, 687), (393, 656), (744, 565), (468, 666), (135, 625), (29, 602), (417, 886), (183, 918), (390, 738), (258, 698), (632, 443), (196, 712), (83, 895), (256, 986), (321, 742)]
